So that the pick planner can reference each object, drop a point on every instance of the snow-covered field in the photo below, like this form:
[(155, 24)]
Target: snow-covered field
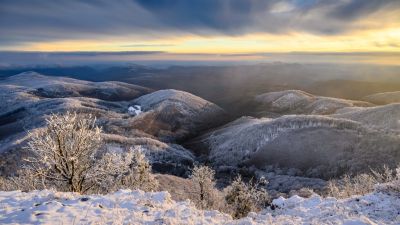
[(137, 207)]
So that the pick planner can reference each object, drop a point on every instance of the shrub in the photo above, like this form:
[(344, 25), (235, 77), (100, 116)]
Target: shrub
[(66, 157), (64, 152), (129, 170), (245, 197), (140, 176), (392, 187), (360, 184), (3, 184), (206, 194)]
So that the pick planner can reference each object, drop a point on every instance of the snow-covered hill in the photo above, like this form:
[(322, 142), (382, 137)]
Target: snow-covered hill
[(172, 115), (384, 98), (60, 87), (306, 142), (166, 115), (383, 117), (137, 207), (300, 102)]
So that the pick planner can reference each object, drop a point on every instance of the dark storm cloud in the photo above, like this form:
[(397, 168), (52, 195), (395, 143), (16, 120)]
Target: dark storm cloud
[(358, 8), (23, 21), (225, 16)]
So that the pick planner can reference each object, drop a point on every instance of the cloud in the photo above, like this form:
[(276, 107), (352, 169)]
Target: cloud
[(101, 53), (11, 59), (81, 57), (147, 45), (392, 44), (30, 21), (80, 53), (359, 8)]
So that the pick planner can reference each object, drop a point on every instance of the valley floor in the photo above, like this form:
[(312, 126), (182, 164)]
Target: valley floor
[(137, 207)]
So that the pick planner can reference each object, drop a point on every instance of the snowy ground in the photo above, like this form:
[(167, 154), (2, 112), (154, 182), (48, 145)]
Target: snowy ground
[(137, 207), (135, 110)]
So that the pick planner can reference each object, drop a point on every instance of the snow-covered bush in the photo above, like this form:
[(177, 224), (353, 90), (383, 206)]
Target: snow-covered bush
[(130, 170), (66, 157), (4, 185), (206, 196), (140, 176), (360, 184), (393, 186), (26, 180), (64, 152), (246, 197)]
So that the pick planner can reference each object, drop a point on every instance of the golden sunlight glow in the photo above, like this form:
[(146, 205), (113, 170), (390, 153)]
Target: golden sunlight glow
[(387, 40)]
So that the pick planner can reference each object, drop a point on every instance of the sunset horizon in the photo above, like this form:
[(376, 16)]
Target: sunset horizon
[(240, 28)]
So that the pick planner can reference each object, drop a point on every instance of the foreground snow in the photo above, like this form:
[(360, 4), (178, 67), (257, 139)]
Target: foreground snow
[(137, 207)]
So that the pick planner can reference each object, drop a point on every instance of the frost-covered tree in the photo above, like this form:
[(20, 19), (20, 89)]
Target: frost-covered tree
[(64, 151), (128, 170), (205, 193), (66, 157), (246, 197), (140, 176)]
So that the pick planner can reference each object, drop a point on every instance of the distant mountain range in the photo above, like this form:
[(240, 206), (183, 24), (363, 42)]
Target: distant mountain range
[(234, 87)]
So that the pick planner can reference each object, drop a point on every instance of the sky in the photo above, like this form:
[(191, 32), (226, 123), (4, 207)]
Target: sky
[(199, 29)]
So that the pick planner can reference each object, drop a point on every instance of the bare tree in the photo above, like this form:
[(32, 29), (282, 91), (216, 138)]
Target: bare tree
[(64, 151), (206, 196), (246, 197)]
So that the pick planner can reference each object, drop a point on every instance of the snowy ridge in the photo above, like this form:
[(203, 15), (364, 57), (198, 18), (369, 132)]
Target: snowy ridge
[(137, 207), (296, 101), (36, 80), (285, 100), (384, 98), (38, 85), (383, 117), (247, 137), (155, 98)]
